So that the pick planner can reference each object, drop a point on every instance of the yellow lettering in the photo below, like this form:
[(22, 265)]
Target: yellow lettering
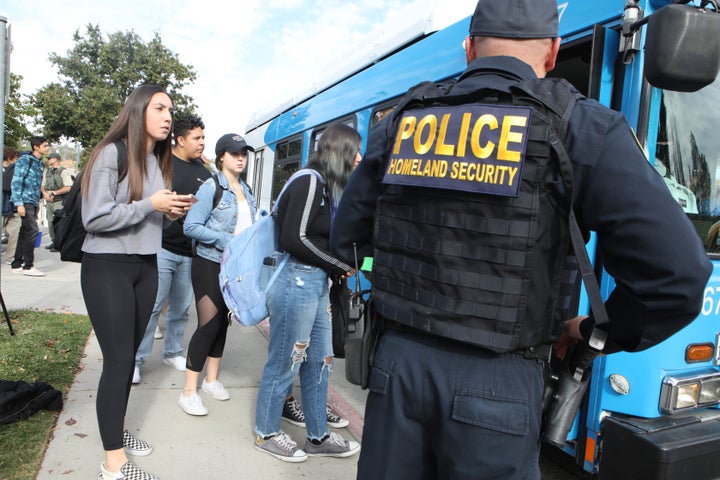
[(406, 167), (462, 139), (508, 136), (415, 167), (391, 166), (442, 148), (454, 171), (489, 173), (407, 127), (424, 147), (483, 151), (513, 172)]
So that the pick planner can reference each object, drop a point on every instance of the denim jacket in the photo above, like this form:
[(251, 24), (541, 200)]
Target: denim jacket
[(212, 228)]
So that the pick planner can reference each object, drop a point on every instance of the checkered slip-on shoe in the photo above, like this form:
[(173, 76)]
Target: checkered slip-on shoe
[(136, 446), (129, 471)]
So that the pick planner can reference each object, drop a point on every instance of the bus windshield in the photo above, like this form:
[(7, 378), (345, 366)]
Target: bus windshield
[(687, 156)]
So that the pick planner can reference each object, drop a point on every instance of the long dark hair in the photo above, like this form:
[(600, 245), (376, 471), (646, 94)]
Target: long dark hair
[(129, 126), (335, 158)]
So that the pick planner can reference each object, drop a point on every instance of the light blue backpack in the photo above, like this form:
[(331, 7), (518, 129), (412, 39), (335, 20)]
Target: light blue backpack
[(242, 263)]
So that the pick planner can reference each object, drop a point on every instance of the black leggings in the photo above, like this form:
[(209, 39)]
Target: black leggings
[(209, 338), (119, 292)]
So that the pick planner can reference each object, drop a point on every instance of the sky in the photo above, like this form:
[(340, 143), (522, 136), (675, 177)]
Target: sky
[(247, 54)]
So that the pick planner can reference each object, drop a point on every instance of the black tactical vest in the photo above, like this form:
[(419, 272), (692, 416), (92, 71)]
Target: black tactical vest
[(471, 234)]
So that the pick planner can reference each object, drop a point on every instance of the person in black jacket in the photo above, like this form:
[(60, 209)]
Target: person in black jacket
[(175, 257), (11, 220), (299, 304), (447, 398)]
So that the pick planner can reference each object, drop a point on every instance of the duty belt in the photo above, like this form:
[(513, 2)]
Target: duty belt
[(537, 352)]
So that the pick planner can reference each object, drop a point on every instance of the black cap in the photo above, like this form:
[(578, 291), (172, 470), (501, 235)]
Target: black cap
[(233, 143), (53, 155), (515, 19)]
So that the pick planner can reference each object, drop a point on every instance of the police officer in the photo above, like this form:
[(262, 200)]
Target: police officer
[(448, 395), (56, 183)]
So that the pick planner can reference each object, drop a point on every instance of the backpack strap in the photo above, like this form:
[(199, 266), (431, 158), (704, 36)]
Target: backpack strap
[(122, 159), (218, 191)]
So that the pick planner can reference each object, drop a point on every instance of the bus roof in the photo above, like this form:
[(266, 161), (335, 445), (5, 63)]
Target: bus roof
[(417, 20)]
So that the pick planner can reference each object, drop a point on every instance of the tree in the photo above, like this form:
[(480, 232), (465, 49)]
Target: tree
[(17, 112), (96, 77)]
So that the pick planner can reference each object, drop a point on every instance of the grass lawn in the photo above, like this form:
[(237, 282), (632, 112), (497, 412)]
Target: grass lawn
[(47, 347)]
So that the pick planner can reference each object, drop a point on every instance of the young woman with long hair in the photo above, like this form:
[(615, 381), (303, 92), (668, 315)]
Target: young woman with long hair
[(123, 213), (299, 304)]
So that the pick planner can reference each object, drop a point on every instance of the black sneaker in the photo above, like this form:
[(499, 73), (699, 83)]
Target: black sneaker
[(293, 413), (334, 420)]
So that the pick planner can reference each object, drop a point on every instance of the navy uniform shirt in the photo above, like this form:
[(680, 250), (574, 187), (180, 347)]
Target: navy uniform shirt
[(645, 240)]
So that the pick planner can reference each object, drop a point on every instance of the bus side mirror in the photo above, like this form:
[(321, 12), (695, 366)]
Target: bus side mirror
[(682, 48)]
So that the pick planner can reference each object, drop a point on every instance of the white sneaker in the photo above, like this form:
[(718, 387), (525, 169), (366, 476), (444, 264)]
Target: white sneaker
[(178, 363), (16, 270), (136, 376), (216, 389), (33, 272), (192, 405), (158, 333)]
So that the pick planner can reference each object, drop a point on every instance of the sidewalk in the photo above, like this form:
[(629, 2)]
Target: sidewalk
[(217, 446)]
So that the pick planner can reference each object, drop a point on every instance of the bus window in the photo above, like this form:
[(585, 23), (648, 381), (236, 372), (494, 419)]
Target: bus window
[(256, 159), (350, 121), (687, 156), (287, 161), (380, 113)]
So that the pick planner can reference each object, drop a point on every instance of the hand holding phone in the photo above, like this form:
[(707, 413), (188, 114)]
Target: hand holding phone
[(192, 198)]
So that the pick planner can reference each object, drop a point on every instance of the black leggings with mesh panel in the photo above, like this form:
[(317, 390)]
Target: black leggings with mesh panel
[(209, 338)]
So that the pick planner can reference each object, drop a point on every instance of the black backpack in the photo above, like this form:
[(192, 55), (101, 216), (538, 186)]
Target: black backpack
[(67, 222)]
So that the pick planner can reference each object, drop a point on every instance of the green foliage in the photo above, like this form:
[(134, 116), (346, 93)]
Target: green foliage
[(17, 111), (97, 75), (47, 347)]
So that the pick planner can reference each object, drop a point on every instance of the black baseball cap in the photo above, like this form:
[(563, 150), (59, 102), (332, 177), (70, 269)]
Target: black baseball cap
[(233, 143), (53, 155), (515, 19)]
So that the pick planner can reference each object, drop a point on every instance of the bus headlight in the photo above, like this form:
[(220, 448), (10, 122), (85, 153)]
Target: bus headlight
[(684, 393)]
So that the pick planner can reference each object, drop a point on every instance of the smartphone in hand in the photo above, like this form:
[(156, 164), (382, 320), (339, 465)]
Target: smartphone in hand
[(192, 198)]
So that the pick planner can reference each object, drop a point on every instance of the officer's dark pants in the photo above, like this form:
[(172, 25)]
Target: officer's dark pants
[(25, 250), (439, 409)]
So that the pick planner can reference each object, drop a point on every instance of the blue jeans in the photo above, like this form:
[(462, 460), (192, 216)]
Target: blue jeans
[(175, 289), (300, 341)]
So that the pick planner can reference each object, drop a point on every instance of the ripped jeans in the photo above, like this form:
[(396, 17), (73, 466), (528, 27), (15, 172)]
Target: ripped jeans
[(300, 341)]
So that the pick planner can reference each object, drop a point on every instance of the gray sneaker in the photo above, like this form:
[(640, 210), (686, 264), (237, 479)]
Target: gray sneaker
[(282, 447), (333, 446)]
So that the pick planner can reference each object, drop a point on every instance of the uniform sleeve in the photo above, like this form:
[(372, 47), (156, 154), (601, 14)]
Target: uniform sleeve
[(645, 240), (354, 218), (300, 205), (66, 178)]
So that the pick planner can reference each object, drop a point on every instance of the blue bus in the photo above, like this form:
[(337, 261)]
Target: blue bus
[(651, 414)]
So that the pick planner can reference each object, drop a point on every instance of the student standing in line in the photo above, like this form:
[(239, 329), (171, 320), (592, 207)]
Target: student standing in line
[(299, 304), (175, 256), (123, 215), (212, 227), (11, 220), (26, 183)]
